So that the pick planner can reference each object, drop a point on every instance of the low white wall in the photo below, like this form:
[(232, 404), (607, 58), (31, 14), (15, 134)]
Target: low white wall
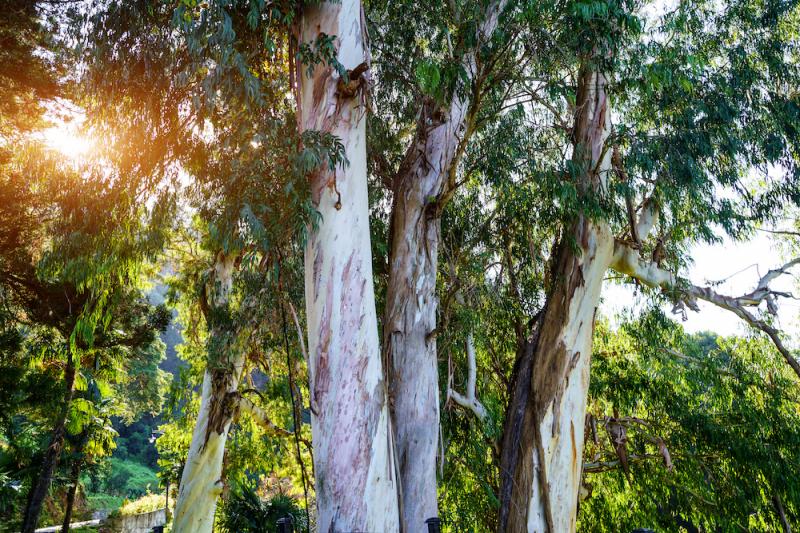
[(143, 523)]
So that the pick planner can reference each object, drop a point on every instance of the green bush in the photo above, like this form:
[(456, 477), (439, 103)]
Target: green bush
[(245, 512)]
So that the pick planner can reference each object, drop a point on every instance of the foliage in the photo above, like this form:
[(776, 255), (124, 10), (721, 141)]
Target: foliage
[(726, 409), (199, 157), (125, 478), (104, 502), (145, 504), (245, 511)]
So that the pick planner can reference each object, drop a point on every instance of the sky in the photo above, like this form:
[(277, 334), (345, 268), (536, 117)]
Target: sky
[(741, 264)]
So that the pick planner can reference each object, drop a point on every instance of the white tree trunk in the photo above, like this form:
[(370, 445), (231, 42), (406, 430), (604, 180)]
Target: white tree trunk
[(201, 481), (423, 185), (354, 465), (562, 426), (410, 344)]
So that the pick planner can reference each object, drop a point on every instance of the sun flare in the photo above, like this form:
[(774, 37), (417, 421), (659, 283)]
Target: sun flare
[(67, 139)]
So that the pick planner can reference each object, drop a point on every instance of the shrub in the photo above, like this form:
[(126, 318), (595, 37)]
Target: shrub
[(245, 512)]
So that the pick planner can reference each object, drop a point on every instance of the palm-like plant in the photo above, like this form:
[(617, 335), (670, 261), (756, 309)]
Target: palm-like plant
[(244, 511)]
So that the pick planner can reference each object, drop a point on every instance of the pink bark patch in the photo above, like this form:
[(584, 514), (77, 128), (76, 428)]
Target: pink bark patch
[(349, 411)]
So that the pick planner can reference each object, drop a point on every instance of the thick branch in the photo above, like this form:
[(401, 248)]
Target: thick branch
[(260, 416), (627, 261)]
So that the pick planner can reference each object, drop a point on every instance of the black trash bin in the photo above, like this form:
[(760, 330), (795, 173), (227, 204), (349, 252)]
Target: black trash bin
[(434, 525), (285, 525)]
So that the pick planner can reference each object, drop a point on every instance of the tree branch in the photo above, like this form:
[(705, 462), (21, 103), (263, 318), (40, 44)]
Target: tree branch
[(244, 404), (469, 401), (299, 331), (626, 260)]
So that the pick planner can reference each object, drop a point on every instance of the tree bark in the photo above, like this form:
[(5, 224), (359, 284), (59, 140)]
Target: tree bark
[(356, 482), (201, 482), (40, 487), (422, 187), (544, 433)]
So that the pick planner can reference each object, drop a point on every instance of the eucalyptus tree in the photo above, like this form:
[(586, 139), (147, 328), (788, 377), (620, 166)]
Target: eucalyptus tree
[(249, 167), (329, 68), (680, 139), (441, 89), (356, 477)]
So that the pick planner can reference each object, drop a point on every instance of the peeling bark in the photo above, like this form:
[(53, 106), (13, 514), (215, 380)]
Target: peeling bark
[(541, 461), (356, 485), (544, 434), (422, 187), (201, 482)]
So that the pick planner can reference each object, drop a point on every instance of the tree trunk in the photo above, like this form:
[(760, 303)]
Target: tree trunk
[(201, 482), (422, 187), (543, 486), (41, 486), (356, 485), (74, 479), (410, 320), (543, 438)]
